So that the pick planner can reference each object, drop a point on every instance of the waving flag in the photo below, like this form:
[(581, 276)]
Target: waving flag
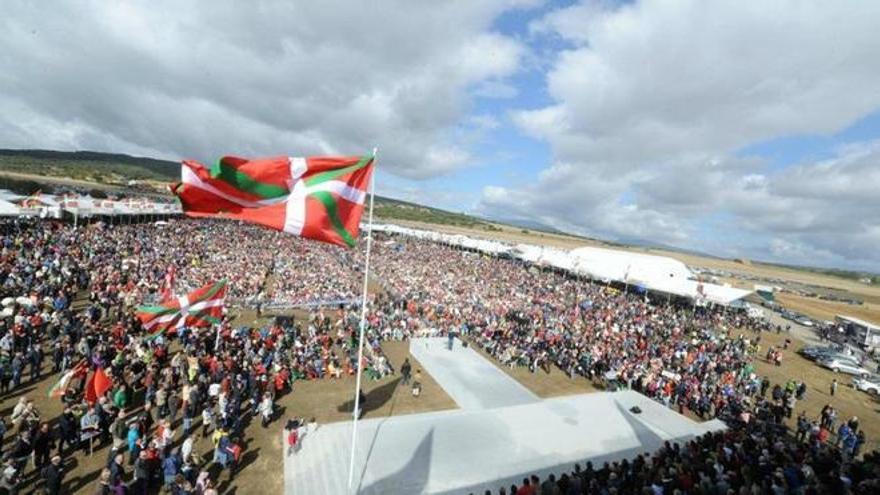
[(320, 198), (200, 308), (60, 387)]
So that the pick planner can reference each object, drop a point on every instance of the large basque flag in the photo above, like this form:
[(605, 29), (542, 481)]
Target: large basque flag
[(320, 198), (202, 307)]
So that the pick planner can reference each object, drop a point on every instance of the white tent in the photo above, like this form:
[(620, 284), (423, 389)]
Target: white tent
[(8, 209), (654, 272)]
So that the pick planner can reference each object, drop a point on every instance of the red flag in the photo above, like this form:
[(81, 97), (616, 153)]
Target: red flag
[(102, 382), (97, 385), (202, 307), (91, 397), (168, 284)]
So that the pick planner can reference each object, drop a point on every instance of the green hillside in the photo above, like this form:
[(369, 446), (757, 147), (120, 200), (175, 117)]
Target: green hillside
[(87, 165), (394, 209)]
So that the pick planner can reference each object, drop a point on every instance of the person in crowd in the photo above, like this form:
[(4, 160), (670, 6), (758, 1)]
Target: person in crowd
[(405, 370), (53, 475)]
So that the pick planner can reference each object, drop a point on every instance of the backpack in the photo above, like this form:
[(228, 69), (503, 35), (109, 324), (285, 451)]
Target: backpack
[(236, 451)]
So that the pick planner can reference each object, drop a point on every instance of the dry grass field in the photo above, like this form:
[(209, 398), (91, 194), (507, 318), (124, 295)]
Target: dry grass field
[(827, 310)]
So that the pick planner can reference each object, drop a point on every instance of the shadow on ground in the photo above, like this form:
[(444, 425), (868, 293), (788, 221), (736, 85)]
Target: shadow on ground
[(376, 398)]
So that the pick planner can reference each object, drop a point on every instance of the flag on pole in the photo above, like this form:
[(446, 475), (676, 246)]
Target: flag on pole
[(60, 387), (97, 385), (319, 198), (202, 307)]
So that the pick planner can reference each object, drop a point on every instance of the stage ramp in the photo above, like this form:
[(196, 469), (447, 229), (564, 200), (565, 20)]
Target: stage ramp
[(471, 380)]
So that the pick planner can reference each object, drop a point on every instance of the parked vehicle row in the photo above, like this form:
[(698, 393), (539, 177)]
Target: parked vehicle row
[(815, 352), (798, 318)]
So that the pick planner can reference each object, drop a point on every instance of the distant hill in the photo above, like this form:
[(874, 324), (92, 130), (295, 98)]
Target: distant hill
[(396, 209), (870, 277), (88, 165), (531, 225)]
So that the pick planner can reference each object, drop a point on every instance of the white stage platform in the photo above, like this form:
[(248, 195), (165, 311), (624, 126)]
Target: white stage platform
[(473, 449), (472, 381)]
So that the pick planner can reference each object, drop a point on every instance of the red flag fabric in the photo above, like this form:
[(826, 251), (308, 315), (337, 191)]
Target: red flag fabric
[(91, 396), (102, 382), (168, 284), (319, 198), (97, 385)]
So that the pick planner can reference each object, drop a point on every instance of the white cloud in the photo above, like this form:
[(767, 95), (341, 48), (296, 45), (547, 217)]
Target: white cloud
[(653, 100), (201, 79)]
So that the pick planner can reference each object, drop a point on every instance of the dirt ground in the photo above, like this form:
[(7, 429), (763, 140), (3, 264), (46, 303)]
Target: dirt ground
[(261, 472), (827, 310)]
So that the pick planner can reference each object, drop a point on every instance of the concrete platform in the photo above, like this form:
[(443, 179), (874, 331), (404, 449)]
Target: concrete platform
[(481, 446), (471, 380)]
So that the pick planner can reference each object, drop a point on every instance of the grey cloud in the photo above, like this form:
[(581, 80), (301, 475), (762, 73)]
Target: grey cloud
[(268, 77), (654, 100)]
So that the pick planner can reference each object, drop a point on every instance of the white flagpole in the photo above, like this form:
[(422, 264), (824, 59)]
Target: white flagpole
[(357, 390)]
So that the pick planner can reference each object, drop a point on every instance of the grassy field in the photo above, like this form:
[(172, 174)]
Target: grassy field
[(827, 310)]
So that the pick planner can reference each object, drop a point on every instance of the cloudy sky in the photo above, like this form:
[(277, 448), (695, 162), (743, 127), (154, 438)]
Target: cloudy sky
[(745, 129)]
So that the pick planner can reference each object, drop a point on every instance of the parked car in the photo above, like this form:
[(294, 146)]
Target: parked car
[(803, 320), (843, 364), (815, 352), (869, 384)]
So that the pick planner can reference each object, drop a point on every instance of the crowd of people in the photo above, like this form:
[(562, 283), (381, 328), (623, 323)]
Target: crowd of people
[(69, 296)]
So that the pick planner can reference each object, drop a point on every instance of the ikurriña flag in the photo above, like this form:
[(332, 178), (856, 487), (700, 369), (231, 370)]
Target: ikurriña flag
[(202, 307), (319, 198), (60, 387)]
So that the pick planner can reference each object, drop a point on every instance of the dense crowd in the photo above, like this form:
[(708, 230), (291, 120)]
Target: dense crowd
[(163, 386), (525, 316), (69, 294)]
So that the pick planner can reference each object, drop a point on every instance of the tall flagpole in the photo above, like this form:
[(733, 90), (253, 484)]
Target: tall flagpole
[(357, 389)]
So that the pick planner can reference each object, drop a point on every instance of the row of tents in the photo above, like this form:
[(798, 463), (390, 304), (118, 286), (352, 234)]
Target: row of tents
[(78, 205)]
